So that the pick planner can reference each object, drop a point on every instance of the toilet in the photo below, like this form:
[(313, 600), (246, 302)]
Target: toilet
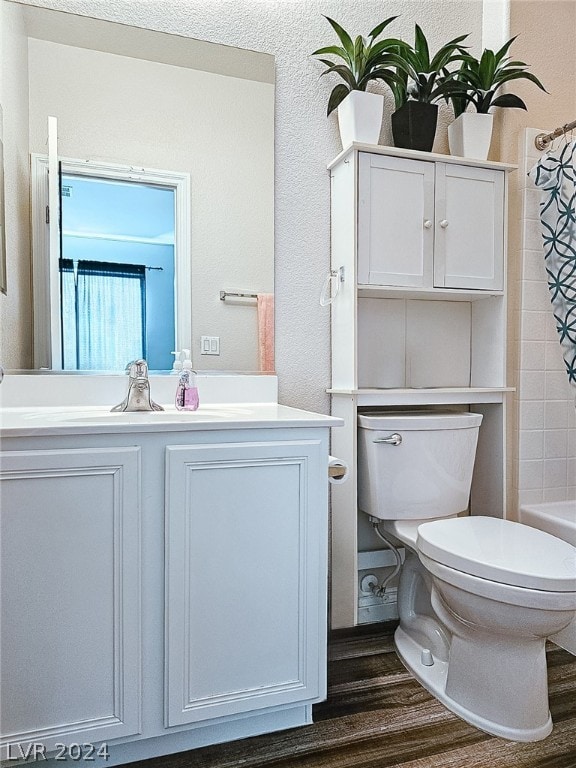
[(477, 596)]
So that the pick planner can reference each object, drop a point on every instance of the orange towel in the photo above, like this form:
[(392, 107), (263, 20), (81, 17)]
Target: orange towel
[(265, 310)]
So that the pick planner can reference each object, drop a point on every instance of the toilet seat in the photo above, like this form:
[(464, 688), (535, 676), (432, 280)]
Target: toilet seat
[(498, 592), (500, 551)]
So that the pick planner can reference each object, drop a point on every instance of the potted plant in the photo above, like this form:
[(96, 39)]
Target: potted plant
[(477, 83), (423, 80), (363, 61)]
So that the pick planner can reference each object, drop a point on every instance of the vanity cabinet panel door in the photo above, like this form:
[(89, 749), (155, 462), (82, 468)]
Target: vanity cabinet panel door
[(469, 228), (395, 221), (246, 540), (70, 593)]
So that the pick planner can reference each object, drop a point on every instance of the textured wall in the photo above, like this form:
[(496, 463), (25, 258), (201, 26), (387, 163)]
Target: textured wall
[(305, 139)]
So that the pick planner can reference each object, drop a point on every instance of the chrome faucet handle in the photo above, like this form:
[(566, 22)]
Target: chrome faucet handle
[(138, 397), (137, 368)]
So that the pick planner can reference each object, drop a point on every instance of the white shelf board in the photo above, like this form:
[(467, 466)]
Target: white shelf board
[(434, 294), (435, 396), (414, 154)]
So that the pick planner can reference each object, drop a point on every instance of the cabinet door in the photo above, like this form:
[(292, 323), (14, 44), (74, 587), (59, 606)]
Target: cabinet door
[(395, 221), (70, 661), (469, 239), (246, 539)]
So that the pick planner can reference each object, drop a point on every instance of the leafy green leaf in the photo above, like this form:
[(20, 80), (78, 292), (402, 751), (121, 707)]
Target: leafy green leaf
[(509, 100), (421, 49), (344, 73), (337, 97), (499, 55), (345, 38), (334, 50), (381, 27)]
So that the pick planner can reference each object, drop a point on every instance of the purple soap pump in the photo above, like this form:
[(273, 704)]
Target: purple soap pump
[(187, 392)]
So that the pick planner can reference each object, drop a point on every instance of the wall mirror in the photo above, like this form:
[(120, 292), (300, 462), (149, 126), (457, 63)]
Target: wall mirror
[(151, 174)]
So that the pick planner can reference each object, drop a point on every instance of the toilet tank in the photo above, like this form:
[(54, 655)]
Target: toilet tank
[(415, 464)]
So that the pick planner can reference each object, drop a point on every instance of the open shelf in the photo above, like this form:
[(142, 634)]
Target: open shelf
[(428, 396), (431, 294)]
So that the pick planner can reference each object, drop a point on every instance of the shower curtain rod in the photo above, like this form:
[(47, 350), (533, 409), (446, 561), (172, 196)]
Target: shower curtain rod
[(543, 139)]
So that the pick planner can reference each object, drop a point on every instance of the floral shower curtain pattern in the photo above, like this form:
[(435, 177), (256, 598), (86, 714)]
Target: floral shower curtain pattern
[(555, 175)]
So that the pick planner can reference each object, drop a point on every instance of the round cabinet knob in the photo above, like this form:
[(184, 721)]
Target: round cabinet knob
[(443, 223), (427, 223)]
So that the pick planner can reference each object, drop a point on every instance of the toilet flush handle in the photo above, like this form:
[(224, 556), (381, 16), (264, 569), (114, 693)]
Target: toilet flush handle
[(394, 439)]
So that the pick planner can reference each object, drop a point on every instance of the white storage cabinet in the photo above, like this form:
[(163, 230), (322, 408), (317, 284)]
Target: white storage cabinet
[(419, 320), (429, 224)]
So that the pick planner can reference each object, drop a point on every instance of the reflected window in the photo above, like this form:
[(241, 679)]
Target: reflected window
[(98, 299), (116, 273)]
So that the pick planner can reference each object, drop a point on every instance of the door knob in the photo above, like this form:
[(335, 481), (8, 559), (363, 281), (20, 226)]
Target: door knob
[(427, 223), (444, 223)]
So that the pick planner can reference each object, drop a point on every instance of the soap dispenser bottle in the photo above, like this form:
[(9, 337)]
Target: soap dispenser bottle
[(187, 392), (177, 365)]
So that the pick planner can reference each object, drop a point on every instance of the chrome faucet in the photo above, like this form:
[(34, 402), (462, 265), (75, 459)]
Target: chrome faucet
[(138, 397)]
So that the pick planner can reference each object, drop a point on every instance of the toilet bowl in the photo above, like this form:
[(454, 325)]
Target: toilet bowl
[(478, 596)]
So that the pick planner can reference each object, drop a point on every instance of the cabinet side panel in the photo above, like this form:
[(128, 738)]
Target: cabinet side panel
[(343, 557), (343, 246), (487, 496), (489, 343)]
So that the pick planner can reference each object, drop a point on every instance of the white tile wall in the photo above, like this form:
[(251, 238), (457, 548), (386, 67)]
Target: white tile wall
[(546, 469)]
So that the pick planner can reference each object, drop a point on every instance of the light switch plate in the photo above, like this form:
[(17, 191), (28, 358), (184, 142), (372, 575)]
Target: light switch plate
[(210, 345)]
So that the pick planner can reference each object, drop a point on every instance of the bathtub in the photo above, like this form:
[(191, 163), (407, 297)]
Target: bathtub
[(555, 517), (559, 519)]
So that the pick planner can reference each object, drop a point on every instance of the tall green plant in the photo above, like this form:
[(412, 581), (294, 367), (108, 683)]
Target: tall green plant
[(364, 60), (423, 77), (478, 81)]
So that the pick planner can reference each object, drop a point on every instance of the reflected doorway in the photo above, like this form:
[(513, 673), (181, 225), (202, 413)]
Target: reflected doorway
[(115, 281), (116, 273)]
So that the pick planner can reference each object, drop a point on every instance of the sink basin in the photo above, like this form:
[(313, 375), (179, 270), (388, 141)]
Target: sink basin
[(100, 415), (155, 417)]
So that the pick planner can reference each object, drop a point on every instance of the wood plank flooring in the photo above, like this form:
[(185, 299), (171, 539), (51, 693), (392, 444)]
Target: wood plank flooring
[(377, 716)]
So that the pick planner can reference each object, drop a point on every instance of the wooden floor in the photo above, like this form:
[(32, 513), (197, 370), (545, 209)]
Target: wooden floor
[(377, 716)]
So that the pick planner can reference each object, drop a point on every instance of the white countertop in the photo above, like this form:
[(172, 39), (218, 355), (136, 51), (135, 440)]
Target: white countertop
[(61, 420)]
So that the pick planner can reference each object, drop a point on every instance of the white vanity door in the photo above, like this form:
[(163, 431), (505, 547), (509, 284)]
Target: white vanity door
[(395, 221), (246, 541), (70, 592)]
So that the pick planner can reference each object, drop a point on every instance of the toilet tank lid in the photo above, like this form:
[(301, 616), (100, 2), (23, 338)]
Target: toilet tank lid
[(502, 551), (418, 420)]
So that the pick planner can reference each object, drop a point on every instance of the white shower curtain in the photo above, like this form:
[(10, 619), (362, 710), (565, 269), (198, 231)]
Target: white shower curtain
[(555, 175)]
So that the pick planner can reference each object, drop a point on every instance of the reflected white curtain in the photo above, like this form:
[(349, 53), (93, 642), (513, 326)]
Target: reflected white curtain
[(103, 315), (555, 175)]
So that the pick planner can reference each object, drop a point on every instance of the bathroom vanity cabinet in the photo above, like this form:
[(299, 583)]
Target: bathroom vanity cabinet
[(418, 243), (163, 588)]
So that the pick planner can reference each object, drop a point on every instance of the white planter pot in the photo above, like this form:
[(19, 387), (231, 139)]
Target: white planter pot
[(360, 117), (470, 135)]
